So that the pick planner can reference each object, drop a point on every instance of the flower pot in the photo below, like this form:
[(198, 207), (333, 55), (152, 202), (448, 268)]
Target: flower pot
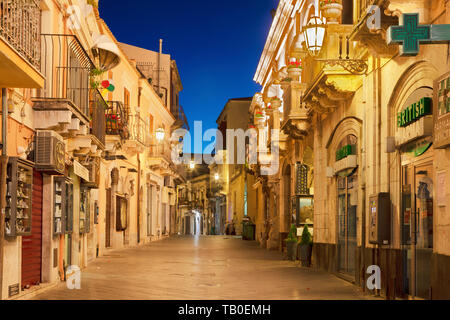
[(332, 11), (276, 104), (291, 250), (305, 254), (295, 73)]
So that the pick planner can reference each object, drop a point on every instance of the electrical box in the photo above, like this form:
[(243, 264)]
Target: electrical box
[(380, 219)]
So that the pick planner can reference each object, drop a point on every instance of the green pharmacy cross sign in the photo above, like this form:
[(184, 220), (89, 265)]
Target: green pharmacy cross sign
[(411, 34)]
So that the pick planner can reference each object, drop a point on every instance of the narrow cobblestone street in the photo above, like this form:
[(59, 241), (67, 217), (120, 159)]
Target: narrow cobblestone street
[(210, 267)]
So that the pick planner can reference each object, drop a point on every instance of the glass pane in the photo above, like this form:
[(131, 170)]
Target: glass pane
[(424, 228), (24, 194), (58, 208), (69, 208), (406, 218), (305, 211)]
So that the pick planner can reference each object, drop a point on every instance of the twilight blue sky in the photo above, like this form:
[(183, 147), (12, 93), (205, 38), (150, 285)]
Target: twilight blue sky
[(217, 45)]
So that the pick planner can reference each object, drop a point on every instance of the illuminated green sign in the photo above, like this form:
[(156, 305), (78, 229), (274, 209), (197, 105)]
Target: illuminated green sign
[(411, 35), (414, 112), (344, 152)]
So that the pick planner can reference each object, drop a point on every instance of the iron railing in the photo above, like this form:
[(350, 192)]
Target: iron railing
[(66, 66), (180, 117), (20, 22), (97, 109), (117, 119), (138, 130), (160, 150)]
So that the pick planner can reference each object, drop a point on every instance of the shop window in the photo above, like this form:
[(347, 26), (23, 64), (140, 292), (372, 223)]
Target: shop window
[(85, 211), (19, 184), (62, 206), (347, 205), (58, 208), (121, 213)]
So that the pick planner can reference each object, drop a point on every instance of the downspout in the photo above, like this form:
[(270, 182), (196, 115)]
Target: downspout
[(138, 198), (4, 163), (159, 66)]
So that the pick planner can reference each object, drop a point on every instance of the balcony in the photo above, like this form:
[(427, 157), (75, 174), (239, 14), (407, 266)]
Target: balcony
[(180, 118), (64, 101), (117, 120), (138, 134), (20, 55), (296, 121), (97, 107), (160, 150), (370, 32), (336, 74), (183, 201), (160, 157)]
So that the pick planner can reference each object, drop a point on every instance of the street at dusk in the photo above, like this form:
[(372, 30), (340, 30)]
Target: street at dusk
[(202, 268), (210, 151)]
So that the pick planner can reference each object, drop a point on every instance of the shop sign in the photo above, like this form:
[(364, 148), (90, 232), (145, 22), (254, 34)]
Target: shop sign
[(418, 129), (442, 112), (302, 179), (418, 148), (414, 112), (411, 35), (80, 170), (344, 152)]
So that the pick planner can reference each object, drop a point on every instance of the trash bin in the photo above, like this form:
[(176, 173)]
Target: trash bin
[(248, 229)]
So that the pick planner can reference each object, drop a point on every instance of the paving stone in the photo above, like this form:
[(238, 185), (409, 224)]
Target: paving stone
[(205, 268)]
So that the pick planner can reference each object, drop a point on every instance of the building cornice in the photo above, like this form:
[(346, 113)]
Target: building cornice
[(282, 16)]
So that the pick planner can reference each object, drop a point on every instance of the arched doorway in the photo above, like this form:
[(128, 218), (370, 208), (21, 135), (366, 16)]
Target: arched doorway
[(347, 204)]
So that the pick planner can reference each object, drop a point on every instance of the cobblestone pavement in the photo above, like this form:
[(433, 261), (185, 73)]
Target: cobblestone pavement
[(210, 267)]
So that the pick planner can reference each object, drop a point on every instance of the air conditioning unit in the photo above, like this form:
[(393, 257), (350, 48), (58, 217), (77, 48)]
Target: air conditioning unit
[(50, 152)]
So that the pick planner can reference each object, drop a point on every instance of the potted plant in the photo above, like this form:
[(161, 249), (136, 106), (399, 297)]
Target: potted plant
[(332, 10), (295, 70), (291, 243), (305, 245), (275, 103)]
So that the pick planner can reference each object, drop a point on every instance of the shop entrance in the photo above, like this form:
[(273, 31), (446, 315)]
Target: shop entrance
[(347, 206), (150, 193), (417, 228), (32, 245)]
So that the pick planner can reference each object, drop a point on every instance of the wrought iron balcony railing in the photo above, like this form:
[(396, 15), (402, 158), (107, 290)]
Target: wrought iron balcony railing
[(160, 150), (183, 201), (97, 108), (180, 117), (138, 130), (20, 22), (66, 66), (117, 119)]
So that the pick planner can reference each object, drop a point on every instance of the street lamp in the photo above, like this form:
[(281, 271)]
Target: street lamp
[(160, 134), (314, 33), (192, 165), (216, 176)]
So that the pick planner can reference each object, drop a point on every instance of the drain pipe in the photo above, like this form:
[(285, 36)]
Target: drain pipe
[(159, 66), (3, 165), (138, 156)]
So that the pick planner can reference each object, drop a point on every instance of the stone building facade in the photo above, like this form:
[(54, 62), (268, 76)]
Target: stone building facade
[(362, 150)]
